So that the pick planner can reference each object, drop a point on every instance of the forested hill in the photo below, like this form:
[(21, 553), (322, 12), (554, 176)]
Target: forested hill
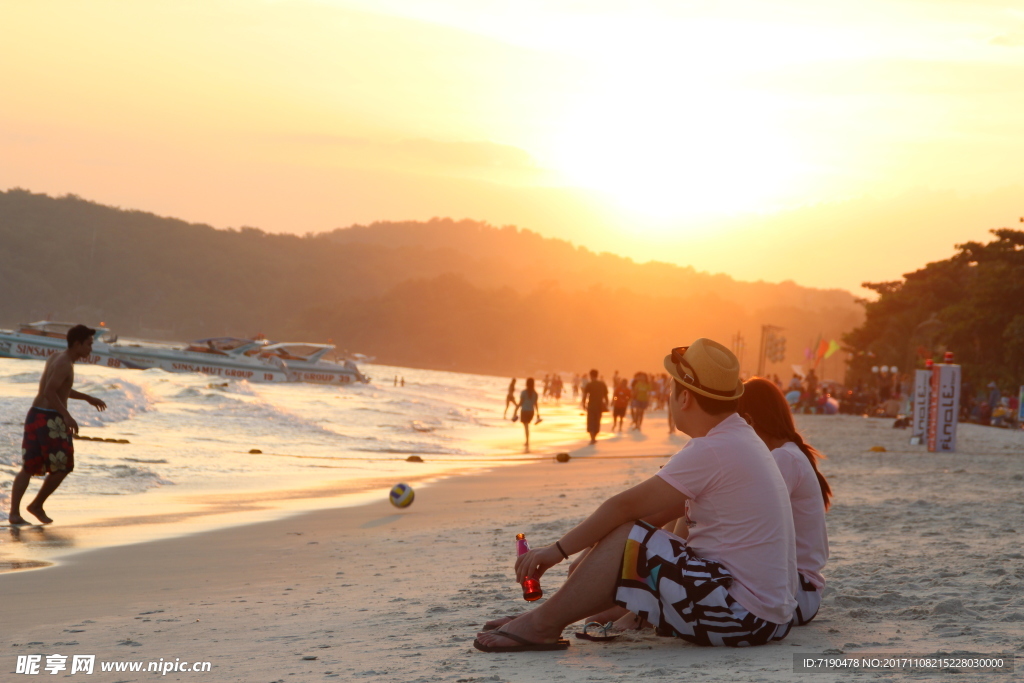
[(440, 294)]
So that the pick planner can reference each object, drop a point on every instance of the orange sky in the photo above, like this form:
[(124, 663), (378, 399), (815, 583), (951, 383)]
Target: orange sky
[(827, 143)]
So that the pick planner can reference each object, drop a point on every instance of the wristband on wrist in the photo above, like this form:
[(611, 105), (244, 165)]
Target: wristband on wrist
[(559, 546)]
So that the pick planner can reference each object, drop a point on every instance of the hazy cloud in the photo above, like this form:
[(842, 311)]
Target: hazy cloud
[(471, 154), (1009, 40)]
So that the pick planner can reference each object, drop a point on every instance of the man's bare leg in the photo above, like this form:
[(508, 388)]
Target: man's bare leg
[(50, 484), (610, 614), (589, 590), (21, 480)]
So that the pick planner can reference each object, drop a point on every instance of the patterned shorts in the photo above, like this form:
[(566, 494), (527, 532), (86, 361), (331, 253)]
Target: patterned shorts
[(665, 583), (47, 445)]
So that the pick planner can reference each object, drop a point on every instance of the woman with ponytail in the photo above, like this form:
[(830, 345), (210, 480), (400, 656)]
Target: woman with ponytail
[(764, 407)]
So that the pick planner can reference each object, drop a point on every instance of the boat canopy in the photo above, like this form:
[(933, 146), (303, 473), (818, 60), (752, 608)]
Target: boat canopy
[(297, 350), (228, 346), (57, 330)]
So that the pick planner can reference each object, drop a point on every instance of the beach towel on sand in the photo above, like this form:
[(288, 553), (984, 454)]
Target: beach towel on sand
[(685, 596), (47, 445)]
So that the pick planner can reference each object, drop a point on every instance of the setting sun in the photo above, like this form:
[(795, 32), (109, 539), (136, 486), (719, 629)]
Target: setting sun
[(678, 151)]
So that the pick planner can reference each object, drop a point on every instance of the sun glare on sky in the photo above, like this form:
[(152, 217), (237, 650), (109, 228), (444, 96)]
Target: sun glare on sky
[(677, 152)]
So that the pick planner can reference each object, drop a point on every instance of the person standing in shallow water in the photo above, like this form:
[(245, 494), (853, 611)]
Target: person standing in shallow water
[(595, 402), (47, 447), (528, 408), (511, 397)]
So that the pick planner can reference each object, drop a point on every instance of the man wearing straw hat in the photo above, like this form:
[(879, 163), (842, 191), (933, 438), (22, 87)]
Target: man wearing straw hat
[(731, 582)]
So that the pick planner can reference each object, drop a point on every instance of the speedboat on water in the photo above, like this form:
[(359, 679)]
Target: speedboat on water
[(255, 360), (305, 362), (40, 340), (228, 357)]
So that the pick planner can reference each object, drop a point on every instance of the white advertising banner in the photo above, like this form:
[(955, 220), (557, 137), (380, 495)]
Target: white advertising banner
[(945, 408), (922, 402)]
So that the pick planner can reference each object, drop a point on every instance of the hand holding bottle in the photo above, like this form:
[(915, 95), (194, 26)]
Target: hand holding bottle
[(530, 582), (534, 563)]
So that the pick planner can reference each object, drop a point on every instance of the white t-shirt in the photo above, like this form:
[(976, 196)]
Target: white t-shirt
[(740, 508), (808, 511)]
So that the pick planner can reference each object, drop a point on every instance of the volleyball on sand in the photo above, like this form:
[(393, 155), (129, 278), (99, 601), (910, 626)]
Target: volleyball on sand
[(402, 495)]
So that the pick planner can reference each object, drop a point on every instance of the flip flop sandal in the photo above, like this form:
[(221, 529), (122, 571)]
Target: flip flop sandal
[(507, 616), (524, 644), (603, 638)]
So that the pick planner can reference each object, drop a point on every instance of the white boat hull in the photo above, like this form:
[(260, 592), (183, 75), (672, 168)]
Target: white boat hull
[(179, 360), (320, 375), (36, 347), (14, 345), (143, 355)]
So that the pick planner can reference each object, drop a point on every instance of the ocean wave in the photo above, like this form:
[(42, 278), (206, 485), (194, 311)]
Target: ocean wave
[(24, 377), (410, 448), (122, 479), (196, 431), (124, 401)]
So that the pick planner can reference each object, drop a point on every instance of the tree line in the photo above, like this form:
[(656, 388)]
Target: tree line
[(971, 304), (445, 294)]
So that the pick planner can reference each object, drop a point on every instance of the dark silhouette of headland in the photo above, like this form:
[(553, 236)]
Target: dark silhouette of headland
[(444, 294)]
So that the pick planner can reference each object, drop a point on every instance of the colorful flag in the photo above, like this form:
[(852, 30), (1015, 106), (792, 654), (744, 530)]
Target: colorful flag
[(833, 346), (822, 349)]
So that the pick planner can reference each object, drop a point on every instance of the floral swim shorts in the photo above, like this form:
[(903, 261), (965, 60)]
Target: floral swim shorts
[(47, 445)]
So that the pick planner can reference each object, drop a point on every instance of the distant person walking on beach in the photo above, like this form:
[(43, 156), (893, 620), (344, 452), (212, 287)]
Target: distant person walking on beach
[(528, 407), (510, 398), (811, 382), (48, 444), (595, 402), (641, 395), (731, 583), (556, 388), (620, 401)]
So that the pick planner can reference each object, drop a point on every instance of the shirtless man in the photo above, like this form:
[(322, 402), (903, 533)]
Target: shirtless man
[(47, 447)]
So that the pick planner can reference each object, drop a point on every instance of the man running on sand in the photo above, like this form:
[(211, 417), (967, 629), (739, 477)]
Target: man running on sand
[(731, 582), (48, 446)]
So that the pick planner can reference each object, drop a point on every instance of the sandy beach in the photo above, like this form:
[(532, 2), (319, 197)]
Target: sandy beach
[(925, 556)]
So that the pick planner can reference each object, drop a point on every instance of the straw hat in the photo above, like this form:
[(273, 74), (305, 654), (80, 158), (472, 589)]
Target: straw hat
[(707, 368)]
